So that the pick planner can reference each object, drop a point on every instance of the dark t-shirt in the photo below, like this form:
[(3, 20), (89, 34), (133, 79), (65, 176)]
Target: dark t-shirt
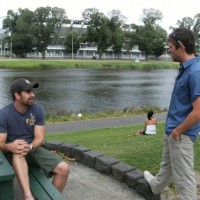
[(20, 125)]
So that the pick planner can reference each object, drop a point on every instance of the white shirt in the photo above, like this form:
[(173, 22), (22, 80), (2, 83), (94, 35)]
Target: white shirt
[(150, 129)]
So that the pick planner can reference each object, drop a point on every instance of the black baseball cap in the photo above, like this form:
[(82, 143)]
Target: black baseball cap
[(22, 84)]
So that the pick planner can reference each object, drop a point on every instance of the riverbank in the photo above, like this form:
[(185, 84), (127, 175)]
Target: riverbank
[(59, 117), (64, 64)]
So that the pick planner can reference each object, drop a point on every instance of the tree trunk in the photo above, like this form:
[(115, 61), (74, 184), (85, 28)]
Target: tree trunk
[(43, 55), (100, 55)]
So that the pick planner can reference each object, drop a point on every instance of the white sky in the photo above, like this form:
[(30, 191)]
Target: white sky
[(172, 10)]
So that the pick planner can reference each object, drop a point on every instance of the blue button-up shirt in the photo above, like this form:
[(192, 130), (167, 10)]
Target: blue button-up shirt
[(186, 90)]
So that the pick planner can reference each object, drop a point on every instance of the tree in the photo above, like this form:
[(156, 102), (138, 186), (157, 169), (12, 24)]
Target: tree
[(9, 23), (186, 22), (130, 36), (196, 30), (88, 13), (73, 39), (18, 25), (158, 44), (147, 34), (34, 29), (116, 23), (46, 26), (150, 16), (98, 29)]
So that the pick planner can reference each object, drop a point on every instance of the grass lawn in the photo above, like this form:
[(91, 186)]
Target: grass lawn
[(142, 152), (63, 64)]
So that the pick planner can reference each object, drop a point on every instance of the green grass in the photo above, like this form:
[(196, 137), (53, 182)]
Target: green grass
[(61, 64), (142, 152)]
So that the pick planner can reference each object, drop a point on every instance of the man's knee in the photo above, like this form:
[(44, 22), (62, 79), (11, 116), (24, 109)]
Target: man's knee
[(62, 168)]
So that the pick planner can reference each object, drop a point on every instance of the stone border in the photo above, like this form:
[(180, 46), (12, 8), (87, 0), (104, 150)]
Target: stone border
[(122, 172)]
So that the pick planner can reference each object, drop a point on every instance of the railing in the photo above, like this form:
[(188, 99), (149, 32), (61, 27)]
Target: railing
[(5, 53)]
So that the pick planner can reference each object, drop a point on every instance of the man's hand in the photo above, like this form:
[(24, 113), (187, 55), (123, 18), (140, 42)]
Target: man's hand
[(20, 147), (176, 135)]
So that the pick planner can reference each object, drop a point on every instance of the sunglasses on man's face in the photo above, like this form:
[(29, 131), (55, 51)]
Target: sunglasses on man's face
[(173, 35)]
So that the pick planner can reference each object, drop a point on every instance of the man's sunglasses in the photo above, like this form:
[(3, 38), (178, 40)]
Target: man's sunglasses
[(173, 35)]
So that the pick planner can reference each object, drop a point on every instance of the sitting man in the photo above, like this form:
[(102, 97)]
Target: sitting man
[(22, 131)]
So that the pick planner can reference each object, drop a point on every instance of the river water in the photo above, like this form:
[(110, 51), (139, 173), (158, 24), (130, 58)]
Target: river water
[(92, 90)]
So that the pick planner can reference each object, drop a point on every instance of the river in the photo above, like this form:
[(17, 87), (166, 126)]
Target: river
[(94, 90)]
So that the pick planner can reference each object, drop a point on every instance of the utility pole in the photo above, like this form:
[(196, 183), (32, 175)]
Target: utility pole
[(10, 34), (1, 33), (72, 47), (1, 44)]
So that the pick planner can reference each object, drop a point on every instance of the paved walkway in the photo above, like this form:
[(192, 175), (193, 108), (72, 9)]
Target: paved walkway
[(101, 123)]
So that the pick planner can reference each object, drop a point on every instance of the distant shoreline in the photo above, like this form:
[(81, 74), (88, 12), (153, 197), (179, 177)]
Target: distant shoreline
[(72, 64)]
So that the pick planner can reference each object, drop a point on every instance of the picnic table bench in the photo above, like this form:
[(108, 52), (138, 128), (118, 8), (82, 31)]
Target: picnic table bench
[(6, 179), (41, 186)]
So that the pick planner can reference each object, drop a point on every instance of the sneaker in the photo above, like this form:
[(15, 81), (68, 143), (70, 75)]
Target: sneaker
[(148, 176)]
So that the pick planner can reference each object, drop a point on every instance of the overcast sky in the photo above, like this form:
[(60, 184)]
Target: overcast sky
[(172, 10)]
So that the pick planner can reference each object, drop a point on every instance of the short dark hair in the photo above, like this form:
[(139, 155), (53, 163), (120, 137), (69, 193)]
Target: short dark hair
[(184, 37)]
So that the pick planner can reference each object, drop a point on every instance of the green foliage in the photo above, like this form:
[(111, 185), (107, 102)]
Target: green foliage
[(45, 66), (73, 39), (41, 28), (33, 29), (46, 26), (9, 22), (150, 36), (158, 43), (131, 36), (186, 22), (150, 16), (116, 24), (105, 32), (98, 31), (19, 26)]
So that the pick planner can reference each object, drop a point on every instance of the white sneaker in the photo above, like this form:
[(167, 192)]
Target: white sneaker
[(148, 176)]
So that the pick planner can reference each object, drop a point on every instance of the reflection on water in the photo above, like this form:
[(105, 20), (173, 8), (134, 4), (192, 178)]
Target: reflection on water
[(94, 90)]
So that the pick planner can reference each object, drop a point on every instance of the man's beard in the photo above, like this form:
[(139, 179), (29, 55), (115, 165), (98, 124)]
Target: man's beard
[(28, 102)]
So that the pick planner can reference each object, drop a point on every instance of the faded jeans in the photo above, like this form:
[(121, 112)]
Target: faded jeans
[(177, 161)]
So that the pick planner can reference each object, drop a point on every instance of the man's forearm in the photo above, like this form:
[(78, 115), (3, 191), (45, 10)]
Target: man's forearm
[(4, 147), (37, 142), (18, 147), (39, 134), (189, 122), (8, 147)]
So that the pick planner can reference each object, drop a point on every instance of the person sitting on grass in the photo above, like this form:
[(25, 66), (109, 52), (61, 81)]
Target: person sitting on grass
[(149, 125)]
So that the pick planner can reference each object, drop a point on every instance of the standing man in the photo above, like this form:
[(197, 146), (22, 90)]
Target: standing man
[(183, 120), (22, 131)]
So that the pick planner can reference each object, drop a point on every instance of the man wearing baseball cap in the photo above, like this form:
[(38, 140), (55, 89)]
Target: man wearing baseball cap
[(22, 84), (22, 131)]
